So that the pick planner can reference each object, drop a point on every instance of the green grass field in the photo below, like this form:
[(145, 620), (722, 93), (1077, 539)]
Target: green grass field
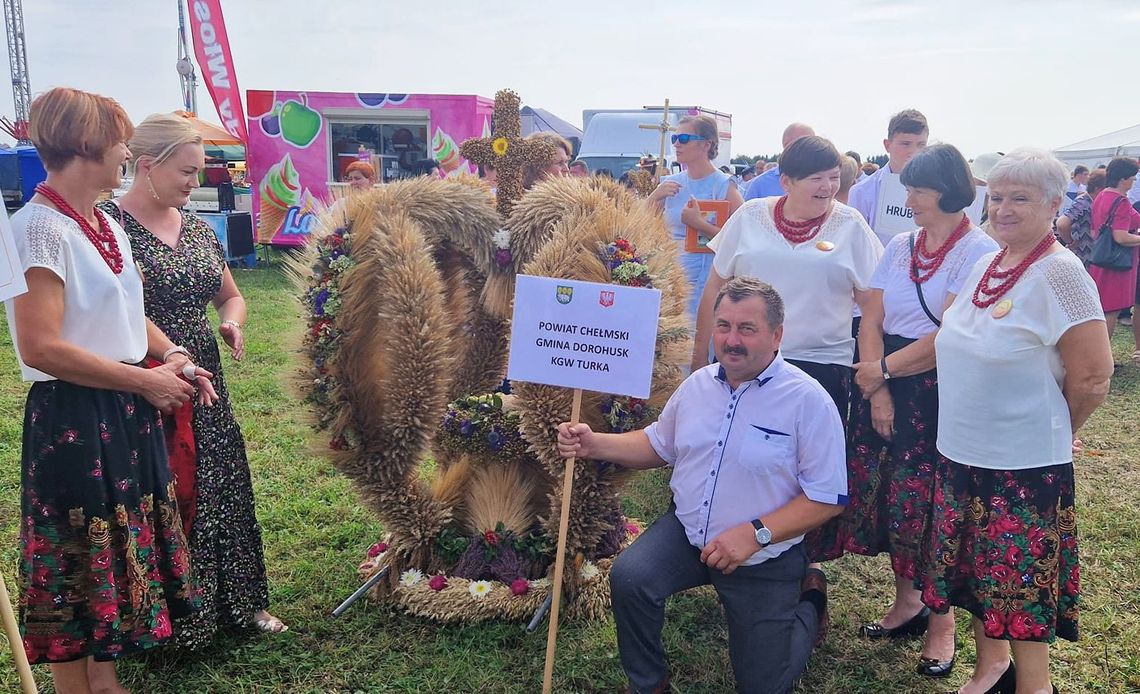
[(316, 533)]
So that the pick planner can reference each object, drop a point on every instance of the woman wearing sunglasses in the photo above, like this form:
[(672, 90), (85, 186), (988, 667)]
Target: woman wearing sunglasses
[(695, 144)]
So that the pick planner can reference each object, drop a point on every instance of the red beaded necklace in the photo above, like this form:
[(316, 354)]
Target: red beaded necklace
[(104, 239), (796, 232), (1007, 278), (923, 264)]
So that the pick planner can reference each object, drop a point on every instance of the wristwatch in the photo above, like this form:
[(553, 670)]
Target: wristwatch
[(763, 535), (883, 364)]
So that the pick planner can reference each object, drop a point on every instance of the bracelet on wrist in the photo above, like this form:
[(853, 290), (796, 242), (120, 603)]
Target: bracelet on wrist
[(230, 321), (176, 349)]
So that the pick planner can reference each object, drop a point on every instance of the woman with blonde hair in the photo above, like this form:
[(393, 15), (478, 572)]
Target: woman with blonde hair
[(185, 270), (695, 143), (105, 566)]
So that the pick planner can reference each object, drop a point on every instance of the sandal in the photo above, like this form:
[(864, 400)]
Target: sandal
[(272, 625), (1136, 357)]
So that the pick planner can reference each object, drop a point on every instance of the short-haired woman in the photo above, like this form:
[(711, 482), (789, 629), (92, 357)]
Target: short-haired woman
[(558, 165), (1117, 288), (360, 176), (892, 453), (105, 566), (1023, 360), (695, 143), (185, 271)]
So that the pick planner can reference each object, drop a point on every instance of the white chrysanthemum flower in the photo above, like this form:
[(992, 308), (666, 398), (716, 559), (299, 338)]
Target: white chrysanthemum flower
[(479, 589), (502, 238), (590, 571), (411, 577)]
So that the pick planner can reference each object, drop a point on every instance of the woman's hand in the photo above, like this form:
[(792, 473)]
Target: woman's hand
[(665, 189), (883, 413), (869, 377), (691, 213), (164, 387), (234, 338), (195, 376), (207, 396)]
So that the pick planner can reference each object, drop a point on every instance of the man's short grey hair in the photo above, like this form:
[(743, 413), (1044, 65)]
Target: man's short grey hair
[(739, 288), (1032, 167)]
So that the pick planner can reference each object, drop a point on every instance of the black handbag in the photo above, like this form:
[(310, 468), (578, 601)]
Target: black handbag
[(1106, 252)]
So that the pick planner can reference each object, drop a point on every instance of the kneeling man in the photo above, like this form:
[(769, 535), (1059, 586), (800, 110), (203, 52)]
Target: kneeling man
[(758, 459)]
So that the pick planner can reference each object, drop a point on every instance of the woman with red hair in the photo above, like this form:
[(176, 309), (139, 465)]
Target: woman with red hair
[(105, 565)]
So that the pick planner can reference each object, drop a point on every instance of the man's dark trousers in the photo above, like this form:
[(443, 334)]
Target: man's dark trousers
[(770, 631)]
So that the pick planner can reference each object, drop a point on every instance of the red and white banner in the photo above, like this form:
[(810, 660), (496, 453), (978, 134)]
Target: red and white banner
[(212, 49)]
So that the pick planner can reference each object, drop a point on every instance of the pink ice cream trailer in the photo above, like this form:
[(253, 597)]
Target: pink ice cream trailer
[(301, 142)]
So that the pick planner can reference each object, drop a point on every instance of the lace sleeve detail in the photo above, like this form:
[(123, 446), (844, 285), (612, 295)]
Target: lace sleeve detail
[(1073, 289), (41, 242)]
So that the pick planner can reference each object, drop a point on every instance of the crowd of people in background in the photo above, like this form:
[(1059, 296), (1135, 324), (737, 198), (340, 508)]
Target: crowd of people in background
[(913, 394)]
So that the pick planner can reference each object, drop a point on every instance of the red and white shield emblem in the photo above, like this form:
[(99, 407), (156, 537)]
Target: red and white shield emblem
[(606, 299)]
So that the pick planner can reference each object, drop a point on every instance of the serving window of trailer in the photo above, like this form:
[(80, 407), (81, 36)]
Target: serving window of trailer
[(398, 139)]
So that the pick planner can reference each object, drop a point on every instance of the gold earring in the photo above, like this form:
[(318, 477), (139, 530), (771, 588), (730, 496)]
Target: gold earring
[(150, 185)]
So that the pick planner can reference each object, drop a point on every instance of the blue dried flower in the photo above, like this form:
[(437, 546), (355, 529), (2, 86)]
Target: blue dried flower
[(319, 302), (496, 440), (466, 428)]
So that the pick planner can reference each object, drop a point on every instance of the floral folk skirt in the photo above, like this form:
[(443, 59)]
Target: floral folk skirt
[(823, 543), (105, 565), (890, 483), (1004, 547)]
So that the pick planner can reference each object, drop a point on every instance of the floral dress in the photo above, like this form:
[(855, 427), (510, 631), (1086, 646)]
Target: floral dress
[(104, 565), (225, 538)]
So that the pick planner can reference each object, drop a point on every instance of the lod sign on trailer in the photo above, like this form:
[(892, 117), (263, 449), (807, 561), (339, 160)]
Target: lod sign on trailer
[(598, 337)]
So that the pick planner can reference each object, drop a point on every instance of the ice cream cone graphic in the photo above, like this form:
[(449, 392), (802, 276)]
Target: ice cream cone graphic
[(279, 190), (445, 151)]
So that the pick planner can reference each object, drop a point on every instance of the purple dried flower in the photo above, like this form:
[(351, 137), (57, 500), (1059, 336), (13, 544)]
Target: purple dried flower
[(503, 257)]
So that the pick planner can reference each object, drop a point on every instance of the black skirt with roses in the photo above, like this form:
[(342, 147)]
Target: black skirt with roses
[(105, 565), (1003, 545), (890, 483)]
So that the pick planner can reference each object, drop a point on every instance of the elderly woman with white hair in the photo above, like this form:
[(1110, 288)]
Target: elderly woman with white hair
[(1023, 359)]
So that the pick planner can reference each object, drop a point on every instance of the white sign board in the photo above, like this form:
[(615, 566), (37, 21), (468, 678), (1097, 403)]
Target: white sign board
[(892, 216), (11, 269), (598, 337)]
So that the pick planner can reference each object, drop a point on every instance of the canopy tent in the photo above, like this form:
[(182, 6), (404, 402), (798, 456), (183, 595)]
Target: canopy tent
[(211, 134), (219, 144), (1101, 149), (536, 120)]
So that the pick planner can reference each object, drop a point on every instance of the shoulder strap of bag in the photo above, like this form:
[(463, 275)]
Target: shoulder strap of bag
[(918, 287), (1111, 215)]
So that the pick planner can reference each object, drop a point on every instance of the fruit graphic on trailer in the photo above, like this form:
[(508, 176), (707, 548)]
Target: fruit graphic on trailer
[(261, 103), (372, 100), (299, 123), (271, 122)]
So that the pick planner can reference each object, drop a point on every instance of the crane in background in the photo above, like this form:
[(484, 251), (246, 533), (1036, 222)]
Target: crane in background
[(18, 61)]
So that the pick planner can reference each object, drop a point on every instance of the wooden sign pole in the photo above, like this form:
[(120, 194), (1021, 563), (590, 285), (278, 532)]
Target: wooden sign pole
[(560, 556), (12, 629)]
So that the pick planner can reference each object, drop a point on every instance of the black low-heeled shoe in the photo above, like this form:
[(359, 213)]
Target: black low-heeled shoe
[(1006, 684), (932, 667), (915, 626)]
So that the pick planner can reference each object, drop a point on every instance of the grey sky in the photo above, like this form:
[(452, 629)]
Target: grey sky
[(989, 74)]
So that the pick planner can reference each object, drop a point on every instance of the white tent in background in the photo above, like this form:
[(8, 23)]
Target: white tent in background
[(1099, 150)]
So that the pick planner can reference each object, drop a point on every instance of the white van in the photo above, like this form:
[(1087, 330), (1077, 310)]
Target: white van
[(614, 140)]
